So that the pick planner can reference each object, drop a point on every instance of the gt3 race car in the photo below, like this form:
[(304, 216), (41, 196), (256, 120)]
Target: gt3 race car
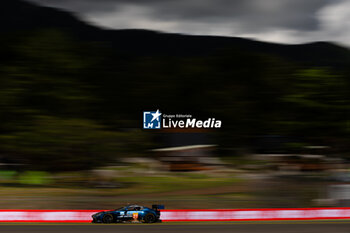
[(129, 213)]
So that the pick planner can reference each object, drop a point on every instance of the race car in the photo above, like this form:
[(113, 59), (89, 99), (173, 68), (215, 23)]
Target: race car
[(130, 213)]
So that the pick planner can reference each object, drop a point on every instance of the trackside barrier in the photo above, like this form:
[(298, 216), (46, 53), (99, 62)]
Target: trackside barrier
[(183, 215), (256, 214)]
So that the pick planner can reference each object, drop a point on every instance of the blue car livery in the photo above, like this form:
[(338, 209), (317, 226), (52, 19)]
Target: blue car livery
[(129, 213)]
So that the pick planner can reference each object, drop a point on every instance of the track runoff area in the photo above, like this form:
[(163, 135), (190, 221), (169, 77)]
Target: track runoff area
[(320, 220), (84, 216), (319, 226)]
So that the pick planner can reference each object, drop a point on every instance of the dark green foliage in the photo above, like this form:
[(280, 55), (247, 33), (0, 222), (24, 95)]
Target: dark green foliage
[(72, 95)]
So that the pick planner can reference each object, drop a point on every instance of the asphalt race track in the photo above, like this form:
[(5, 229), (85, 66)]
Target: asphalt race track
[(279, 227)]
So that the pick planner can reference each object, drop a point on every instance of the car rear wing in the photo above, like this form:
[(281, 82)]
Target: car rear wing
[(158, 207)]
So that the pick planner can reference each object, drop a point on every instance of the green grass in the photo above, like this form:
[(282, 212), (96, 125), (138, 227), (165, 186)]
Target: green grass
[(172, 183), (140, 185), (180, 190)]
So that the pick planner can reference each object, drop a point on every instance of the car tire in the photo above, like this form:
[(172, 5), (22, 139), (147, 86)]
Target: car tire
[(150, 218), (108, 218)]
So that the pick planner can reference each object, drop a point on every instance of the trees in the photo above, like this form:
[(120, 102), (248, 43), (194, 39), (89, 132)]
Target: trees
[(55, 144), (47, 106), (67, 104), (319, 103)]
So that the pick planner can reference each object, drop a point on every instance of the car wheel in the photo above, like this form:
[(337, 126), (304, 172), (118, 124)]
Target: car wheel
[(150, 218), (108, 218)]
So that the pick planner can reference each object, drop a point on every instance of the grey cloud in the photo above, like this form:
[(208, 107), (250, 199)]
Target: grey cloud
[(248, 14), (275, 20)]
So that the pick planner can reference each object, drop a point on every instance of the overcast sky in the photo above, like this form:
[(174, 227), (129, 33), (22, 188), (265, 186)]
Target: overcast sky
[(286, 21)]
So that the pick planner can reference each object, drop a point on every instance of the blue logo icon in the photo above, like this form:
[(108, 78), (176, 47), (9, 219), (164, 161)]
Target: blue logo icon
[(152, 120)]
